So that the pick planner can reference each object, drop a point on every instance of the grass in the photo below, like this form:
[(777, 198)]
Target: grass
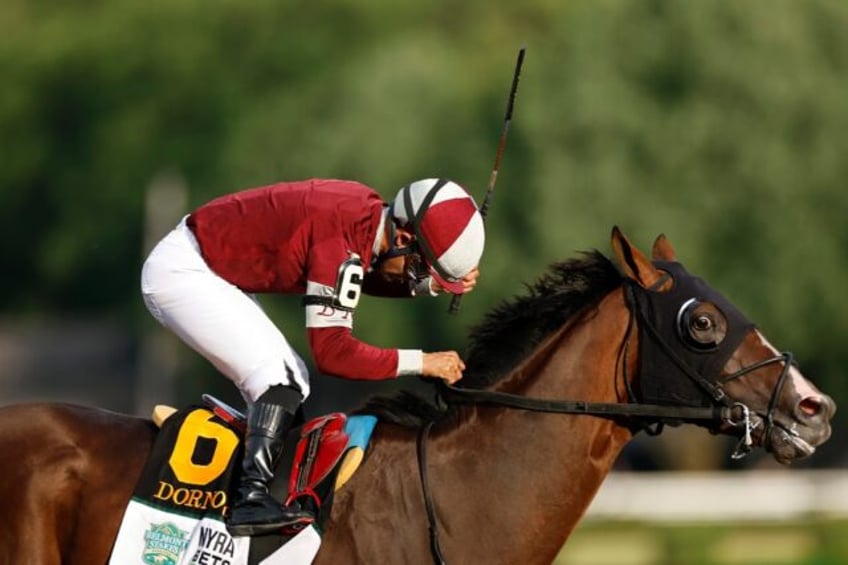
[(817, 541)]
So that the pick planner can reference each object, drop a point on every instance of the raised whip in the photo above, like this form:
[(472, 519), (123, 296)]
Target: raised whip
[(457, 298)]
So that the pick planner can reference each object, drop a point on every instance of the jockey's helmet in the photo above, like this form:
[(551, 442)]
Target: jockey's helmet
[(447, 225)]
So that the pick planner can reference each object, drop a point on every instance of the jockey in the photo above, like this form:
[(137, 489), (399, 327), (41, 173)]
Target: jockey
[(330, 241)]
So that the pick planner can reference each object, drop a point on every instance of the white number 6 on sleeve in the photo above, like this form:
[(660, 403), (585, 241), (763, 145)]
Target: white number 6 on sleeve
[(349, 283)]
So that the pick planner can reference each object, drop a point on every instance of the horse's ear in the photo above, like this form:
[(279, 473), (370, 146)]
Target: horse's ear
[(663, 251), (633, 262)]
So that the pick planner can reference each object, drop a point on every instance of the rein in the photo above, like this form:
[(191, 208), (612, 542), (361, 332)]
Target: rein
[(654, 412), (723, 409)]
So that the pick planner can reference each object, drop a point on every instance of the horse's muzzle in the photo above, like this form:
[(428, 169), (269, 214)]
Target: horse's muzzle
[(796, 437)]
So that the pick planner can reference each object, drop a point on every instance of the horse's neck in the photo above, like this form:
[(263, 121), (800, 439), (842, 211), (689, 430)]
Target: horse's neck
[(508, 486), (520, 468)]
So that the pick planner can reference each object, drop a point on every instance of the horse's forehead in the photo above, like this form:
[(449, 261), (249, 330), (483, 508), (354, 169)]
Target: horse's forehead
[(661, 311), (688, 286)]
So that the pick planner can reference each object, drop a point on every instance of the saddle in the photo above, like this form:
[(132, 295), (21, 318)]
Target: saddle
[(194, 465)]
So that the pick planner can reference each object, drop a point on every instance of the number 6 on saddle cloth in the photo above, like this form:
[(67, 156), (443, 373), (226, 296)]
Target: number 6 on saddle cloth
[(195, 459)]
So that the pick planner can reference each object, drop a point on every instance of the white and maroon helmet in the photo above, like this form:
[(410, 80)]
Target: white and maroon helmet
[(448, 228)]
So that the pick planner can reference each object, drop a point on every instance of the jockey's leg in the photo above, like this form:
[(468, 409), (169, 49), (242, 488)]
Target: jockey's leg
[(229, 328), (254, 511)]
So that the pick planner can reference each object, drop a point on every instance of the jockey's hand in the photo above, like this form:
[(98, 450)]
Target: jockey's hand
[(445, 365), (469, 281)]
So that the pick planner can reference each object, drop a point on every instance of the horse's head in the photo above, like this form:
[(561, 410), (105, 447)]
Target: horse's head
[(697, 349)]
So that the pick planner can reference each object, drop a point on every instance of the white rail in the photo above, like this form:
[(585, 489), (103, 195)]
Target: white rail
[(745, 495)]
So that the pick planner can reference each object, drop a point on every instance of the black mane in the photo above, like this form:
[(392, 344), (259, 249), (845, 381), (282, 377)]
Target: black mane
[(512, 331)]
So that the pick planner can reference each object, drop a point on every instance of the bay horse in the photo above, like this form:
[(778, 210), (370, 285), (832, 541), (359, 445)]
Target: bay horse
[(499, 470)]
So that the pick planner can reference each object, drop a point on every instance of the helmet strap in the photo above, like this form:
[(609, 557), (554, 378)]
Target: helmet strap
[(415, 222), (393, 251)]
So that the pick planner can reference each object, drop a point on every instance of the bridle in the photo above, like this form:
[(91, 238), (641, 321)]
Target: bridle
[(712, 409)]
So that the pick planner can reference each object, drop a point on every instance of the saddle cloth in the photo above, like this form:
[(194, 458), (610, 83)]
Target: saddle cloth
[(177, 513)]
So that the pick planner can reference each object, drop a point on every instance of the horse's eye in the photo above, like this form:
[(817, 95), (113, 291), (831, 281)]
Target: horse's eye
[(701, 325)]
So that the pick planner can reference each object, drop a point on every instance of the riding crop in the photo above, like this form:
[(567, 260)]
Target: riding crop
[(457, 298)]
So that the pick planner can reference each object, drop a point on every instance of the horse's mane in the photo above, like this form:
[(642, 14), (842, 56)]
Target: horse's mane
[(512, 331)]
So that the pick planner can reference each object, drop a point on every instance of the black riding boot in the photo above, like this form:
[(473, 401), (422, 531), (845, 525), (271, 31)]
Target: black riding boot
[(254, 511)]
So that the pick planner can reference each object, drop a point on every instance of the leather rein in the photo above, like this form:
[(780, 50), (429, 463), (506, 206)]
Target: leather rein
[(723, 409)]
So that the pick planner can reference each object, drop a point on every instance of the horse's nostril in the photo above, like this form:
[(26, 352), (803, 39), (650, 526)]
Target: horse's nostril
[(810, 406)]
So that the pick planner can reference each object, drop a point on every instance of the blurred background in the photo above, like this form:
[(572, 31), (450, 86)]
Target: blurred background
[(719, 123)]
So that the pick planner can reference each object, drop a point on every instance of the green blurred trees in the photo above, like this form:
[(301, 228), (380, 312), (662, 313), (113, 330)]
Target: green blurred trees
[(721, 124)]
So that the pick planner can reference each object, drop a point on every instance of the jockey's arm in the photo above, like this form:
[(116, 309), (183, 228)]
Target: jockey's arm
[(337, 352)]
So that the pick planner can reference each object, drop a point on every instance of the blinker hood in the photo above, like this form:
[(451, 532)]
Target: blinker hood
[(672, 372)]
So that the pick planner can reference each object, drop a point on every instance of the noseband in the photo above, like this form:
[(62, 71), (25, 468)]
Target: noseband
[(744, 445), (664, 398)]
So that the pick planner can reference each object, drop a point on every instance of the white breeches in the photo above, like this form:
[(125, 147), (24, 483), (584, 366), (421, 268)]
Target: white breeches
[(224, 324)]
